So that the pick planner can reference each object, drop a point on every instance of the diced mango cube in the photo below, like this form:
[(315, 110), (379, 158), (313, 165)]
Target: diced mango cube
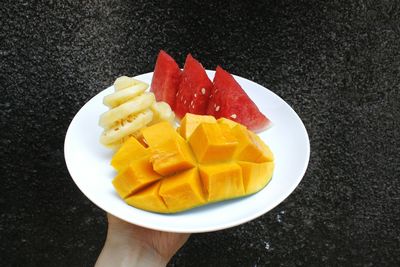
[(130, 151), (267, 154), (182, 191), (250, 147), (190, 122), (256, 175), (222, 181), (228, 122), (136, 176), (211, 143), (156, 134), (171, 156), (148, 199)]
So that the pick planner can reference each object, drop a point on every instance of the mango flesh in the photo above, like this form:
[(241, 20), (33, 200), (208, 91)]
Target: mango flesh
[(170, 153), (256, 175), (182, 191), (218, 160), (130, 151), (136, 176), (250, 147), (222, 181), (210, 143), (190, 122), (227, 122), (148, 199)]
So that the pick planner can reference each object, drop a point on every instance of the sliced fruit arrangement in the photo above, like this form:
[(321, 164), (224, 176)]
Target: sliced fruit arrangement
[(204, 161), (130, 109), (191, 91)]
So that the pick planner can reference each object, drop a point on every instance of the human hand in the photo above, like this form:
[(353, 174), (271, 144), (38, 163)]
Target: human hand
[(131, 245)]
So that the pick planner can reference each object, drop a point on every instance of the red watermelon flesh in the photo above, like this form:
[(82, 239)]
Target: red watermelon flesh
[(166, 78), (229, 100), (194, 89)]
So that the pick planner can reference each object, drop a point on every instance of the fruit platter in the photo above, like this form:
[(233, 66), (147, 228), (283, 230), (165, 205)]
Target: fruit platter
[(186, 150)]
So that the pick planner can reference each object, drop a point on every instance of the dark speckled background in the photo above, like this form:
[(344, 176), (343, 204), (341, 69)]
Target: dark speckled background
[(337, 63)]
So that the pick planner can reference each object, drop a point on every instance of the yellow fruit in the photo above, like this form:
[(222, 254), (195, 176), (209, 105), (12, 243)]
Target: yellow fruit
[(125, 82), (130, 151), (227, 122), (126, 127), (210, 143), (162, 112), (256, 175), (222, 181), (182, 191), (148, 199), (250, 147), (119, 97), (170, 153), (218, 160), (190, 122), (136, 176), (131, 109)]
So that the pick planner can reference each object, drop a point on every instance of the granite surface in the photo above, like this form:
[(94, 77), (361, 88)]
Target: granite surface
[(337, 63)]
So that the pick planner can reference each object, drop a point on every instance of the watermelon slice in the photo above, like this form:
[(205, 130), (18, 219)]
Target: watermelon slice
[(230, 101), (194, 89), (166, 78)]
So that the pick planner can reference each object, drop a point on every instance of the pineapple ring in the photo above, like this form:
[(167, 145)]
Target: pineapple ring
[(133, 106), (125, 82), (116, 145), (119, 97), (162, 112), (125, 127)]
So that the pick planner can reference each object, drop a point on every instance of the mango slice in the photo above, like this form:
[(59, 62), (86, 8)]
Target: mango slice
[(267, 154), (256, 175), (210, 143), (249, 148), (190, 122), (130, 151), (170, 153), (227, 122), (222, 181), (182, 191), (135, 177), (205, 161), (174, 155), (148, 199), (158, 133)]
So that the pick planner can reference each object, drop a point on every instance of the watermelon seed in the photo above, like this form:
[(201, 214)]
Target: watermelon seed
[(191, 103), (217, 108), (203, 91), (184, 102), (233, 116), (195, 95)]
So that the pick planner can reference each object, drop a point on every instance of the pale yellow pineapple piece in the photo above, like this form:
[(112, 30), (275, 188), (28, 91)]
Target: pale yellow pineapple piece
[(126, 127), (136, 105)]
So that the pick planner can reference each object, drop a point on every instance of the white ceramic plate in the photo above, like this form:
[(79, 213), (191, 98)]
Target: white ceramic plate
[(89, 165)]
